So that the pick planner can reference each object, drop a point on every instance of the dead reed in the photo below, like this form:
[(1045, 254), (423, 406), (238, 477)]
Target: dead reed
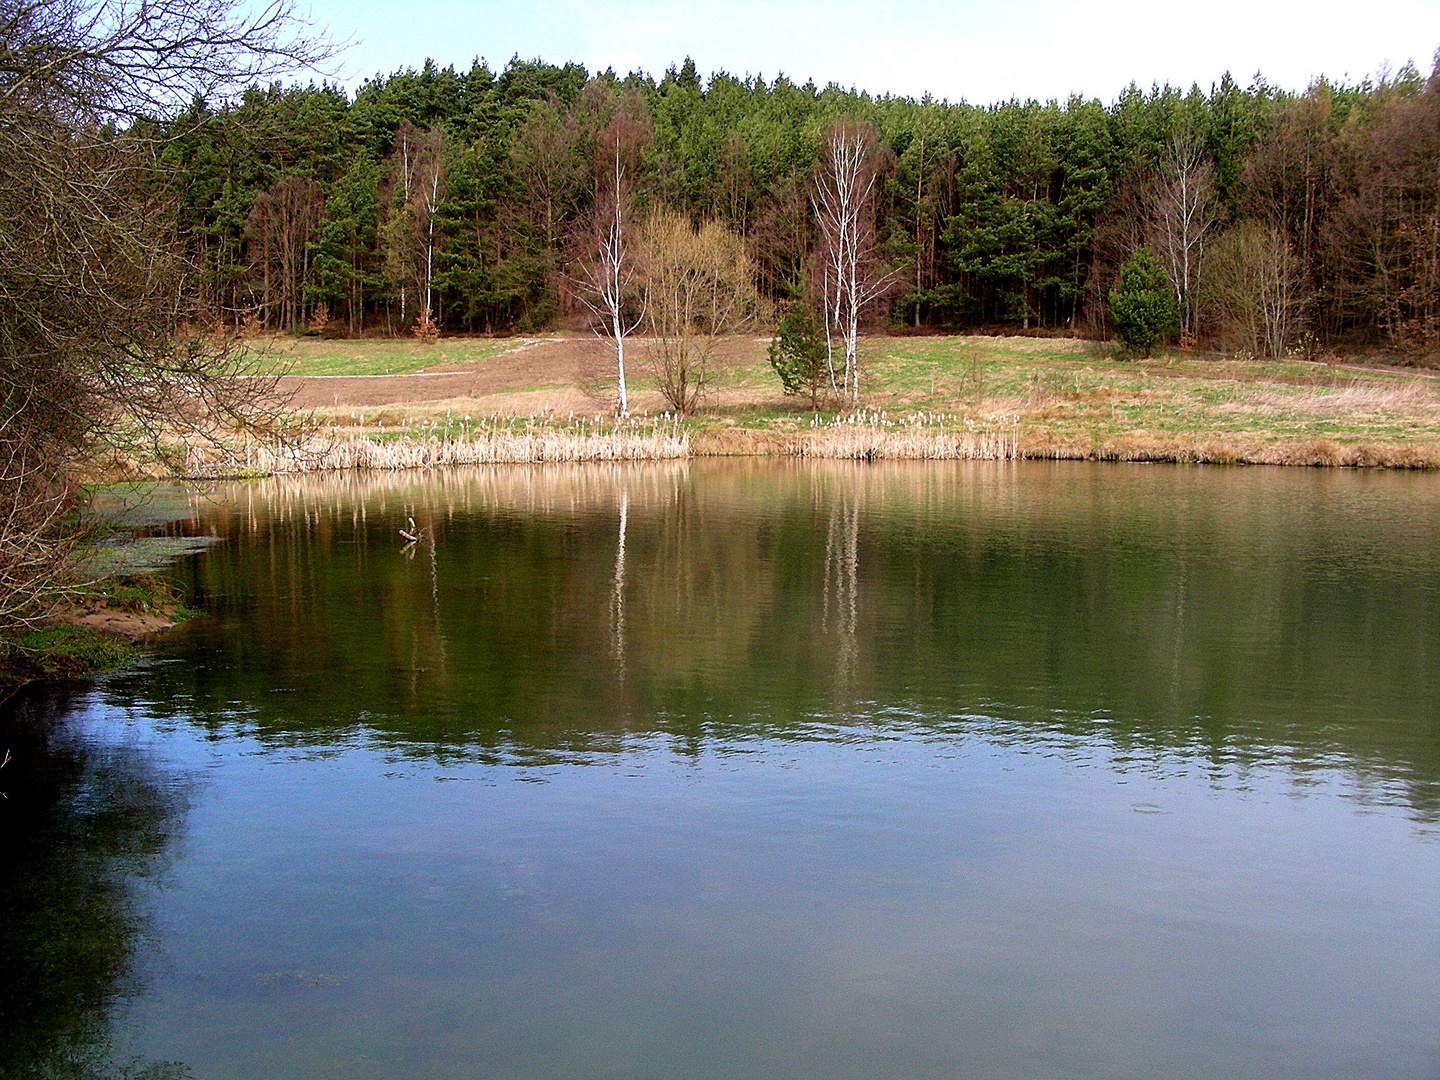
[(919, 436), (867, 435), (1305, 453), (500, 444)]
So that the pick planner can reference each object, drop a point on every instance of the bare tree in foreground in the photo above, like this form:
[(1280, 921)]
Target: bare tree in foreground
[(95, 360), (99, 59), (844, 201)]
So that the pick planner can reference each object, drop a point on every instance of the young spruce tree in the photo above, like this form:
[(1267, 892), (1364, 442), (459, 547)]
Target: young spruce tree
[(1143, 305)]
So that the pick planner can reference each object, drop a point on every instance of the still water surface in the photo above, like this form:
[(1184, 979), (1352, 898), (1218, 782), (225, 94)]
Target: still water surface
[(757, 770)]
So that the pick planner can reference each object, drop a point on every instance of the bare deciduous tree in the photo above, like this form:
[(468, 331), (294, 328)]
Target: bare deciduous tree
[(608, 282), (1181, 216), (843, 197), (281, 221), (699, 286), (417, 182), (102, 59), (550, 168), (1253, 287), (94, 361)]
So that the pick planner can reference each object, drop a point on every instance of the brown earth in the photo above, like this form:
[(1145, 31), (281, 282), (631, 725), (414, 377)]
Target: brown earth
[(132, 625), (548, 373)]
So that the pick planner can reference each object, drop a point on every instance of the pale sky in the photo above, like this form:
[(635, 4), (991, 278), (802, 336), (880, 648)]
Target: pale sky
[(981, 52)]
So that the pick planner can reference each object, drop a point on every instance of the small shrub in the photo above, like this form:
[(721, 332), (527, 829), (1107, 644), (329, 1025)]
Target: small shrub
[(142, 593), (426, 328), (799, 356), (1143, 305)]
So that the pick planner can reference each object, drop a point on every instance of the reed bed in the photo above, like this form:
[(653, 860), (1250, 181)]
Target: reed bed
[(876, 436), (502, 444), (864, 435), (919, 436), (1306, 452)]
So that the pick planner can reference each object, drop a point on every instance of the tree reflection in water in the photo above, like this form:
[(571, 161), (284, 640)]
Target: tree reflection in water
[(82, 826), (1241, 616)]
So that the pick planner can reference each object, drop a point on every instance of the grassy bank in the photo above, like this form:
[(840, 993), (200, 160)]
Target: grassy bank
[(95, 628), (483, 401)]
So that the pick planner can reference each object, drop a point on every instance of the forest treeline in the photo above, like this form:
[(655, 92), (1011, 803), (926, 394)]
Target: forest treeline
[(470, 192)]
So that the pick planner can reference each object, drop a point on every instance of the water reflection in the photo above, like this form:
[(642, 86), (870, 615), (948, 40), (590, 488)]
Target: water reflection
[(83, 827), (739, 769), (617, 596), (1241, 615), (842, 583)]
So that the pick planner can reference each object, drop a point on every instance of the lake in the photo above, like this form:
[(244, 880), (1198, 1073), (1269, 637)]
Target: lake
[(738, 768)]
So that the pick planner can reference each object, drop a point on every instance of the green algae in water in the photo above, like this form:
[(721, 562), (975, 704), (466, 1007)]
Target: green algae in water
[(131, 556)]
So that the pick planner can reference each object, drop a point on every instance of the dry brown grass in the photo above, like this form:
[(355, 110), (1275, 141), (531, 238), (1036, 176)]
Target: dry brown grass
[(323, 454), (1414, 396), (840, 441), (1309, 452)]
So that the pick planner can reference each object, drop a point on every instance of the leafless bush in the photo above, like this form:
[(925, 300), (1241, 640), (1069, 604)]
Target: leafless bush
[(699, 286), (425, 328), (1253, 288)]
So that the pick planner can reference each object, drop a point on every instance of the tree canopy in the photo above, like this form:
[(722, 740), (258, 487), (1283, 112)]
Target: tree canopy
[(1018, 213)]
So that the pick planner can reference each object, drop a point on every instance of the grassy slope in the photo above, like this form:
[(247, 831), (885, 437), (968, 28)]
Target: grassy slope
[(1071, 388), (1069, 391), (1049, 392), (317, 356)]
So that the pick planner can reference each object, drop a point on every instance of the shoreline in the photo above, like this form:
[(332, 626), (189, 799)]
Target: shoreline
[(853, 442), (97, 632), (93, 631)]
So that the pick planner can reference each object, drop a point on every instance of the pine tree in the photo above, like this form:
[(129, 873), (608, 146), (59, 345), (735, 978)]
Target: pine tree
[(1143, 306)]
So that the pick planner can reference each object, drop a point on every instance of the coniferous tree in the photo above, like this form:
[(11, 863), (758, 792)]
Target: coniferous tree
[(1144, 305)]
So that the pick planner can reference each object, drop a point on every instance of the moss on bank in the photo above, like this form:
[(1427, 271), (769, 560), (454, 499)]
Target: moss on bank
[(96, 629), (61, 651)]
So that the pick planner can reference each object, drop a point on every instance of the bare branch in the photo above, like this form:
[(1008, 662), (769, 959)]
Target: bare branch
[(843, 197)]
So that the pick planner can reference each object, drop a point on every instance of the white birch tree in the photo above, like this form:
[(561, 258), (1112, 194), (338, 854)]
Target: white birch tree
[(608, 286), (843, 198), (609, 282), (418, 176), (1182, 214)]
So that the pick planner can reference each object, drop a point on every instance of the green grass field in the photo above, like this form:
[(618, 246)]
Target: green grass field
[(1073, 388), (1067, 389), (317, 356)]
